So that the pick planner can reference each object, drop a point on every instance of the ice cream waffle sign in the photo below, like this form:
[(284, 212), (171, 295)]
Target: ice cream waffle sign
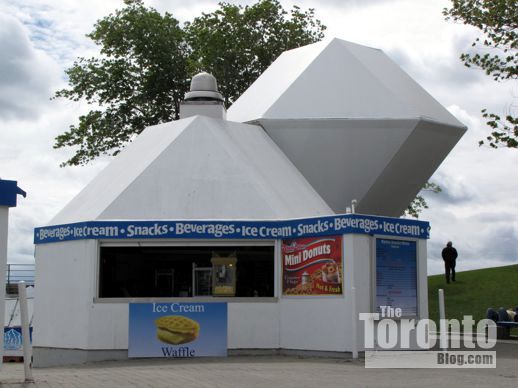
[(312, 266), (177, 330)]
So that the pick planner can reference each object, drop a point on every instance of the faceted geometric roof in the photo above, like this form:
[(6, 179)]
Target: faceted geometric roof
[(337, 79), (353, 123), (197, 168), (336, 121)]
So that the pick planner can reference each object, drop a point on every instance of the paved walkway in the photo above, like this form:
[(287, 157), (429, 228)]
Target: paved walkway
[(262, 371)]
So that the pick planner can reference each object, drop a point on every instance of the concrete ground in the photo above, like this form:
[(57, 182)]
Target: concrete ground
[(262, 371)]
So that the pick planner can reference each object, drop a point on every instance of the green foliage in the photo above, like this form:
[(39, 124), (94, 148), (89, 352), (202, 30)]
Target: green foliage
[(419, 203), (474, 292), (146, 60), (237, 44), (495, 53), (505, 131), (137, 81)]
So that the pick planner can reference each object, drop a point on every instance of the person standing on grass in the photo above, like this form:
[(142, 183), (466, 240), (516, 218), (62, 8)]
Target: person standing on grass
[(449, 255)]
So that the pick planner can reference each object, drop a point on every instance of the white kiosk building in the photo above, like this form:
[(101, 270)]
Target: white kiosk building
[(257, 200)]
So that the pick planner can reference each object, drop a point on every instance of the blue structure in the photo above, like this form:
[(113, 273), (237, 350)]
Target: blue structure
[(8, 193)]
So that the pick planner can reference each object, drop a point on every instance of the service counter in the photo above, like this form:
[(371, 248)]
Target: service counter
[(294, 285)]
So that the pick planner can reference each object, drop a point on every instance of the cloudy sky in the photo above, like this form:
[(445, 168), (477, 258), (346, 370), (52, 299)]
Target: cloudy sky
[(40, 38)]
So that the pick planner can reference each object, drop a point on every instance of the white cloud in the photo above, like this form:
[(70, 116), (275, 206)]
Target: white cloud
[(58, 27), (478, 210), (30, 71), (26, 155), (26, 75)]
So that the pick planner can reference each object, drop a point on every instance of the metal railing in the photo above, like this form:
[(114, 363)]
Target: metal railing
[(17, 272)]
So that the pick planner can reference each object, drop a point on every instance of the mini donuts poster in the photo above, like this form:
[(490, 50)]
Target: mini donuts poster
[(312, 266), (177, 330)]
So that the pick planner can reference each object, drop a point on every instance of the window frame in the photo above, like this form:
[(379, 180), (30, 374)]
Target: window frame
[(188, 243)]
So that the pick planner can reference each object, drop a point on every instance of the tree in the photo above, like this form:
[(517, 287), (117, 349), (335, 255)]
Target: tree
[(238, 44), (146, 60), (418, 204), (496, 54), (137, 81)]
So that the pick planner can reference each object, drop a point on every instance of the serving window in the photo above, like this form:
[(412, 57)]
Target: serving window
[(186, 271)]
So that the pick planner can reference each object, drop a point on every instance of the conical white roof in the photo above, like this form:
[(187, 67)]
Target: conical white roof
[(337, 79), (197, 168)]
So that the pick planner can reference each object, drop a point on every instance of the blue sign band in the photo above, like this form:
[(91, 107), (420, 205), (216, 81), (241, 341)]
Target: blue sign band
[(250, 230)]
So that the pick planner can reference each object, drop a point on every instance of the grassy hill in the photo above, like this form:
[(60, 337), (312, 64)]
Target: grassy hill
[(474, 291)]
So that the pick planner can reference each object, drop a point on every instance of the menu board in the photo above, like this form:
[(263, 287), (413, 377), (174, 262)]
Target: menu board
[(312, 266), (396, 275)]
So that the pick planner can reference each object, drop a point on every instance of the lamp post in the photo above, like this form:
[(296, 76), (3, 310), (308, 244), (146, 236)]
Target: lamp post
[(8, 195)]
